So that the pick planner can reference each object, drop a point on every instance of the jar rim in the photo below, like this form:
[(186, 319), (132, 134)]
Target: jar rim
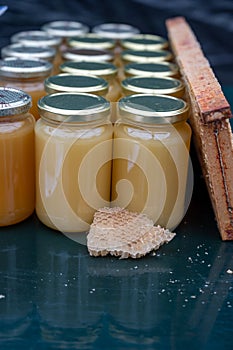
[(153, 109), (14, 101), (71, 107)]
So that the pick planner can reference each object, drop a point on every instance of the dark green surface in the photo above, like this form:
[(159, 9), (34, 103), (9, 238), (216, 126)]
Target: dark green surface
[(53, 295)]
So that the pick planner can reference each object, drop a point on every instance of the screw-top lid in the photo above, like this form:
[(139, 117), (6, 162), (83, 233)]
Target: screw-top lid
[(153, 109), (23, 51), (75, 83), (116, 31), (146, 56), (100, 69), (65, 29), (161, 69), (13, 102), (153, 85), (145, 42), (92, 55), (91, 40), (36, 38), (24, 68), (73, 107)]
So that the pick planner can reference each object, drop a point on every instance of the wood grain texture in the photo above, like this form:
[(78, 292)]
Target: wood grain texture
[(209, 118)]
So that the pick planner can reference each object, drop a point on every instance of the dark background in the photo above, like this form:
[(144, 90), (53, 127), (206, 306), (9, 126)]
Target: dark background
[(211, 21)]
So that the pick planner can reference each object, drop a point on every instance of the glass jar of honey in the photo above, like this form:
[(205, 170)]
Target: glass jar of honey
[(64, 30), (17, 174), (38, 38), (153, 85), (24, 51), (159, 69), (145, 42), (73, 159), (27, 75), (91, 40), (66, 82), (151, 162), (145, 56), (116, 32), (91, 55), (104, 70)]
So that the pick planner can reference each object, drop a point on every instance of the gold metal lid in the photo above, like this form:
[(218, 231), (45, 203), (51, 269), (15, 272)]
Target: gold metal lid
[(24, 51), (153, 85), (73, 107), (91, 40), (65, 29), (91, 55), (75, 83), (153, 109), (101, 69), (24, 68), (115, 31), (145, 42), (161, 69), (36, 38), (13, 102), (146, 55)]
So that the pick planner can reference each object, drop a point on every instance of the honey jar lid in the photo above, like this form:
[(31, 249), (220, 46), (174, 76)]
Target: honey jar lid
[(73, 107), (24, 51), (146, 55), (145, 42), (36, 38), (24, 68), (91, 55), (100, 69), (152, 69), (66, 82), (153, 109), (91, 40), (116, 31), (65, 29), (153, 85), (13, 101)]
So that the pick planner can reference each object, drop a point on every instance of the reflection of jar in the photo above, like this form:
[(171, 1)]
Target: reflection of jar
[(23, 51), (151, 157), (73, 159), (160, 69), (76, 83), (105, 70), (153, 85), (27, 75), (17, 156), (145, 42)]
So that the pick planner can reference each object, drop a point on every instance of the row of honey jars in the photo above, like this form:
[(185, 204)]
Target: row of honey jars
[(84, 162)]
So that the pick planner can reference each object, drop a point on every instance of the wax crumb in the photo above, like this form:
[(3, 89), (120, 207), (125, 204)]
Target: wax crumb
[(230, 271)]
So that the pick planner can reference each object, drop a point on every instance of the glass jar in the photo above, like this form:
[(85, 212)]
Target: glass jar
[(90, 55), (17, 174), (159, 69), (150, 171), (23, 51), (64, 30), (145, 42), (91, 40), (105, 70), (73, 159), (117, 32), (66, 82), (39, 38), (27, 75), (153, 85), (146, 56)]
